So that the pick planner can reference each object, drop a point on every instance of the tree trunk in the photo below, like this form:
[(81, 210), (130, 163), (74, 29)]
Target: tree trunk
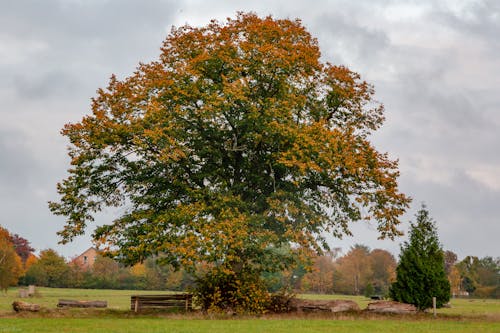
[(82, 304)]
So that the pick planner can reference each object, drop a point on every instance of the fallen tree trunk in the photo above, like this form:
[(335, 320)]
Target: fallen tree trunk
[(391, 307), (300, 305), (23, 306), (81, 304)]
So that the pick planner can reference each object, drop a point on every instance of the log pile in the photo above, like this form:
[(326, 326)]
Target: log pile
[(23, 306)]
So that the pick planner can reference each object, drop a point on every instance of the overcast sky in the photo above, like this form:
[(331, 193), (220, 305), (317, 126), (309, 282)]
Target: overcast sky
[(434, 64)]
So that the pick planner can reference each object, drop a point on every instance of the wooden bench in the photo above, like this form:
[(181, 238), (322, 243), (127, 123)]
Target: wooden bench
[(156, 302)]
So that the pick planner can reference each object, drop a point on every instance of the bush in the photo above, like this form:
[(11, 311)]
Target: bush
[(223, 290), (486, 292), (369, 290)]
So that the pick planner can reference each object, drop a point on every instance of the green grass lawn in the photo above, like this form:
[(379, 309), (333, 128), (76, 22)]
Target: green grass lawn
[(48, 297), (464, 316), (257, 325)]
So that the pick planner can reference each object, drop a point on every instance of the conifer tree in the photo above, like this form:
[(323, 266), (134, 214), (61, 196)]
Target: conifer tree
[(421, 273)]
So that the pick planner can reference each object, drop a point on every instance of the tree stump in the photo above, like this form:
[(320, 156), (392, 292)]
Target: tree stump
[(23, 306), (23, 293), (391, 307)]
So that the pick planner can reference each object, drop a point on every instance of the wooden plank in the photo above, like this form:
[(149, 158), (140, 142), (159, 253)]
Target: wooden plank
[(169, 301)]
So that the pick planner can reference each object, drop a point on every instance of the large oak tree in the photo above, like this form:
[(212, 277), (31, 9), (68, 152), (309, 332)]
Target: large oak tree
[(238, 140)]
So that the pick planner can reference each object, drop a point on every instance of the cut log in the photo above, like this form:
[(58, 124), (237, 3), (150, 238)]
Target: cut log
[(391, 307), (81, 304), (23, 306), (300, 305)]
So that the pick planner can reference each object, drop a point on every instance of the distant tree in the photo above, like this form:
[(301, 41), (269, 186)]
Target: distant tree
[(369, 290), (50, 270), (36, 274), (32, 259), (488, 272), (10, 264), (22, 247), (155, 274), (383, 267), (468, 284), (450, 259), (105, 272), (420, 274), (480, 276), (321, 277), (468, 273), (455, 281), (354, 270)]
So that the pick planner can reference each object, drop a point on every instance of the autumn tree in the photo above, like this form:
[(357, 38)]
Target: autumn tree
[(22, 247), (420, 274), (354, 270), (383, 270), (321, 277), (5, 234), (237, 141), (455, 281), (450, 259), (105, 273), (10, 263), (50, 270)]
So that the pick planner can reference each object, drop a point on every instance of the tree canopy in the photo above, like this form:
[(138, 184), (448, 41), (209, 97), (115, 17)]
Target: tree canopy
[(237, 141), (10, 263), (49, 270), (420, 274), (22, 247)]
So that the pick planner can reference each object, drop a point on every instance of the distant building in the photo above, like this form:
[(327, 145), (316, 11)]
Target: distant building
[(86, 259)]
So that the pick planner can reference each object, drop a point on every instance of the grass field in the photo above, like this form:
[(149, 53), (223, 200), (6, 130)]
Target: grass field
[(152, 325), (464, 316)]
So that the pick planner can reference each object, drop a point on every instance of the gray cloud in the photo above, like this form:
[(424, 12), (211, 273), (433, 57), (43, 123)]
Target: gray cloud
[(479, 18), (17, 166)]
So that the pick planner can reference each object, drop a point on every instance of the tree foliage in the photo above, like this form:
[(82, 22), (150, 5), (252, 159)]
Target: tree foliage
[(354, 270), (420, 274), (49, 270), (361, 269), (22, 247), (321, 277), (237, 141), (383, 267), (450, 259), (480, 276), (10, 264)]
